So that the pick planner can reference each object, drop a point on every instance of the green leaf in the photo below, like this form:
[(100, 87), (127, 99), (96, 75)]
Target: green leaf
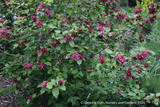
[(49, 41), (50, 70), (103, 80), (48, 63), (55, 92), (53, 80), (28, 101), (92, 81), (137, 86), (40, 85), (86, 47), (57, 31), (62, 51), (51, 26), (71, 43), (74, 72), (108, 51), (73, 100), (62, 87), (114, 72), (79, 62), (131, 94), (15, 46), (56, 69), (49, 58), (50, 85), (43, 90), (1, 89), (158, 94)]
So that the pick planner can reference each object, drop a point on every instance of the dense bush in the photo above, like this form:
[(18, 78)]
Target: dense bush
[(62, 53)]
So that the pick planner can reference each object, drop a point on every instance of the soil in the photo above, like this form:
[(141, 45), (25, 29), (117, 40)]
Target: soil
[(7, 100)]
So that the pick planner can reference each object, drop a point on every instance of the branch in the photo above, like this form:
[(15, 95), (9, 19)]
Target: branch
[(7, 53), (102, 50)]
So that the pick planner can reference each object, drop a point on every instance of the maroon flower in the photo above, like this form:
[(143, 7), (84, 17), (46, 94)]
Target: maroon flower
[(29, 97), (54, 86), (151, 11), (80, 29), (116, 10), (14, 80), (39, 9), (146, 65), (22, 58), (108, 3), (123, 15), (147, 21), (141, 25), (41, 4), (47, 12), (118, 16), (112, 36), (64, 21), (43, 50), (27, 65), (128, 74), (115, 3), (81, 56), (138, 17), (75, 34), (60, 71), (121, 59), (68, 38), (39, 22), (141, 38), (137, 82), (119, 92), (133, 77), (54, 45), (136, 65), (61, 83), (152, 19), (41, 66), (139, 71), (38, 62), (1, 20), (57, 41), (101, 59), (90, 30)]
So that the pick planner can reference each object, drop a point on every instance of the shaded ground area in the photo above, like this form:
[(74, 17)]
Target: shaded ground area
[(7, 100)]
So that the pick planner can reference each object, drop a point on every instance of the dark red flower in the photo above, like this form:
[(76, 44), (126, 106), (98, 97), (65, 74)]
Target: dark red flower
[(81, 56), (60, 71), (54, 45), (139, 71), (138, 17), (75, 34), (101, 59), (68, 38), (90, 30), (128, 74), (137, 82), (29, 97), (57, 41), (61, 83), (91, 56), (43, 50)]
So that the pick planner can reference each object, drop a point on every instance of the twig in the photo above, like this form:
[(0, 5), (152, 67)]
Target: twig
[(102, 50), (7, 53)]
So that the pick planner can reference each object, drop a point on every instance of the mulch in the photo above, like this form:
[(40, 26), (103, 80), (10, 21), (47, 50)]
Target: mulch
[(7, 100)]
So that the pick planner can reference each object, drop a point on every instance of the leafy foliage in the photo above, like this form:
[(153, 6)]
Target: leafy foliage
[(63, 52)]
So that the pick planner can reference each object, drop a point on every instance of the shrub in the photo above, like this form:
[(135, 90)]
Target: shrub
[(62, 53)]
